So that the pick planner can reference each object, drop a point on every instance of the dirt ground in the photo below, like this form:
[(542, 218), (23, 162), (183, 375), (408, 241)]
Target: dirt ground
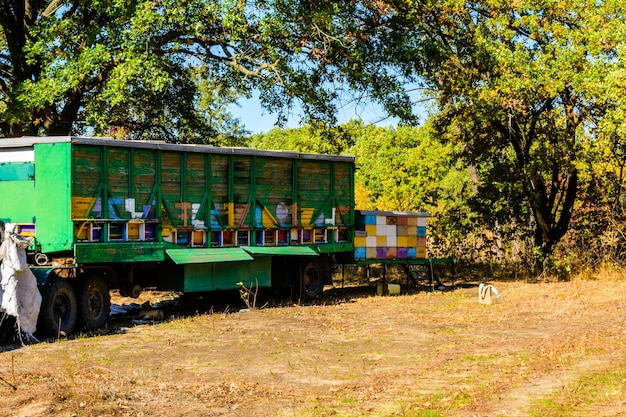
[(545, 349)]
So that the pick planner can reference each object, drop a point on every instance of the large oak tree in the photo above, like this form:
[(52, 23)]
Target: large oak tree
[(84, 66), (524, 85)]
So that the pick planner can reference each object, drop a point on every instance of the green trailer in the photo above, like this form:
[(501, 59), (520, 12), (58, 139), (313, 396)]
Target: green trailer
[(108, 214)]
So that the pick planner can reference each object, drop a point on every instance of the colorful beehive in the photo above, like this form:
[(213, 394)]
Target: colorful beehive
[(390, 235)]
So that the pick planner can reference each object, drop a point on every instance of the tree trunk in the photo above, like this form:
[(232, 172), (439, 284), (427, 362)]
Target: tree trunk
[(552, 211)]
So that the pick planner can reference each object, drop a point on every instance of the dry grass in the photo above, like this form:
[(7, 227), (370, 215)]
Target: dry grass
[(549, 349)]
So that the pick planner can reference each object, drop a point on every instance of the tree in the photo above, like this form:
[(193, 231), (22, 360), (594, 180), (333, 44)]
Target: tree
[(523, 85), (316, 138), (78, 66), (401, 167)]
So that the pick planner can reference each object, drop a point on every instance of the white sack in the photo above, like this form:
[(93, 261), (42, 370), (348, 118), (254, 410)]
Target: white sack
[(19, 295)]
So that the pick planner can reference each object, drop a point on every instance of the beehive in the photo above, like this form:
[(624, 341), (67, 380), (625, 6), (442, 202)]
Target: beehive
[(390, 235)]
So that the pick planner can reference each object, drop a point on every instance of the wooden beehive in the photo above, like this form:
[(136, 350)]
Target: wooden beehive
[(390, 235)]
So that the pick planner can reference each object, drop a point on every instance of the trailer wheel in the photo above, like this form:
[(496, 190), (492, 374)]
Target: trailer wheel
[(312, 280), (94, 302), (58, 309)]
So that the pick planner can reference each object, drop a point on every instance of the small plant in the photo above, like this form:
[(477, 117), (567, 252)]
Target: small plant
[(249, 294)]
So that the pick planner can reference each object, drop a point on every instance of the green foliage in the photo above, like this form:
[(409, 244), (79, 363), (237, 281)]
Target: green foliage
[(318, 138), (401, 167), (522, 85), (166, 69)]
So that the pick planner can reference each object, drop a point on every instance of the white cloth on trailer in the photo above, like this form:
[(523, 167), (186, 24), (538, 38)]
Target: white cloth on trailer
[(19, 294)]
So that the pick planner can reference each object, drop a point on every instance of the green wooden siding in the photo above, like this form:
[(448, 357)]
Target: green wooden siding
[(185, 191), (53, 196), (120, 252), (144, 181), (17, 201), (107, 192), (225, 276), (207, 255)]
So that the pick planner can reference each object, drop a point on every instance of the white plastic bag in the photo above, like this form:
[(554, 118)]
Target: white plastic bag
[(488, 294)]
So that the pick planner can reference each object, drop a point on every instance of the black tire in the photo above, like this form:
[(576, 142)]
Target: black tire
[(311, 280), (57, 314), (94, 301)]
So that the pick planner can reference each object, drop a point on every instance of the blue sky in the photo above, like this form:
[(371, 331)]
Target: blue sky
[(258, 120)]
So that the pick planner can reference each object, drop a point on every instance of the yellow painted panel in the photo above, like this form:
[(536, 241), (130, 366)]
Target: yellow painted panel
[(381, 240), (359, 241), (133, 231), (306, 216), (370, 229), (81, 206), (412, 241), (403, 241), (268, 220), (198, 237), (231, 214)]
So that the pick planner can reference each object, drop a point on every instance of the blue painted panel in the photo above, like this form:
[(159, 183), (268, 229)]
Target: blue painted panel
[(359, 253)]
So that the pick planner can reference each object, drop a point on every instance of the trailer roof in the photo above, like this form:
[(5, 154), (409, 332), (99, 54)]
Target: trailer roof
[(393, 213), (29, 141)]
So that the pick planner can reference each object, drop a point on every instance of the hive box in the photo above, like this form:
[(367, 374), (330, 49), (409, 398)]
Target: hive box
[(390, 235)]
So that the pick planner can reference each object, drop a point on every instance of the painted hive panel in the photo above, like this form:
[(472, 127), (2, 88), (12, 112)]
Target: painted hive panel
[(274, 193), (86, 170), (219, 191), (118, 168), (313, 191), (86, 181), (390, 235), (344, 192), (242, 185), (195, 191), (118, 174), (195, 177), (144, 180), (171, 188), (196, 198)]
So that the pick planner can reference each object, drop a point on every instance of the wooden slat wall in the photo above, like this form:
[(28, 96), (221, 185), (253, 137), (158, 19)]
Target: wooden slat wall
[(344, 192), (144, 171), (171, 184), (261, 186), (313, 186), (219, 184), (274, 184), (195, 182), (242, 167), (87, 174)]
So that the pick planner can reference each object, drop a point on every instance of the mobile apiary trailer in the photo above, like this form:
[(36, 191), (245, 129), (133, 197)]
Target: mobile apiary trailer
[(108, 214)]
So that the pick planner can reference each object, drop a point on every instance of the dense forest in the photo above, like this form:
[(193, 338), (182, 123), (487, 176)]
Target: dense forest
[(521, 161)]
